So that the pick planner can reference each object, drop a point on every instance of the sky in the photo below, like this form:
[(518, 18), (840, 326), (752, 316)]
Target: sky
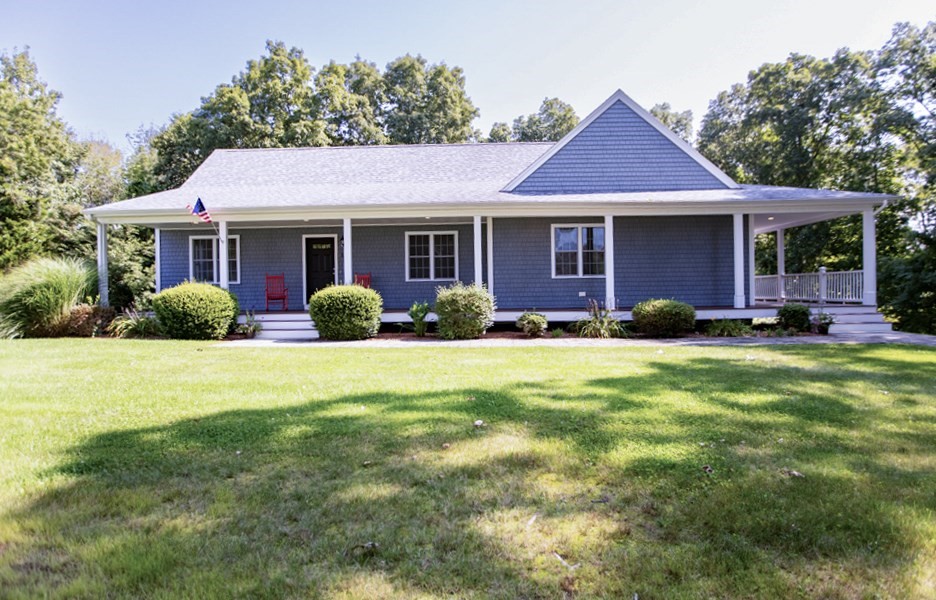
[(122, 65)]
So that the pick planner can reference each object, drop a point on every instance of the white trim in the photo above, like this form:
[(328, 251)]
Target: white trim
[(305, 289), (490, 254), (346, 236), (610, 299), (869, 257), (620, 96), (476, 247), (738, 244), (552, 250), (431, 235), (223, 275), (103, 290), (156, 266), (750, 252), (216, 264)]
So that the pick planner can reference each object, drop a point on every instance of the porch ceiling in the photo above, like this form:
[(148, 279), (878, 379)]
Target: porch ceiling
[(311, 223), (767, 222)]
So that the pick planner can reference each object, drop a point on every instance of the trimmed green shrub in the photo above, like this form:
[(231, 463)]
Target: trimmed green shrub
[(728, 328), (664, 318), (465, 312), (195, 311), (36, 298), (533, 324), (233, 326), (794, 316), (600, 323), (346, 312)]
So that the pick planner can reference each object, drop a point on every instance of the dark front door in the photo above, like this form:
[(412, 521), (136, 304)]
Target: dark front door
[(320, 263)]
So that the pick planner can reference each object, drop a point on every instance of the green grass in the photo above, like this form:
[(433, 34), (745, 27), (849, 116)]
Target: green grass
[(191, 469)]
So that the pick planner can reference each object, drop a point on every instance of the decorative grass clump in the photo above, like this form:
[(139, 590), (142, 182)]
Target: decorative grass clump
[(37, 298), (664, 318), (533, 324), (465, 312), (195, 311), (346, 312)]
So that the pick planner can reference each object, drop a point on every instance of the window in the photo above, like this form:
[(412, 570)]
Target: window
[(431, 256), (203, 259), (578, 250)]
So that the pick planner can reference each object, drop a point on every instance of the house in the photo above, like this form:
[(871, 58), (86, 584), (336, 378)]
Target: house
[(618, 211)]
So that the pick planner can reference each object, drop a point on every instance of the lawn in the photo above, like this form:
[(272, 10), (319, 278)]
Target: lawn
[(185, 469)]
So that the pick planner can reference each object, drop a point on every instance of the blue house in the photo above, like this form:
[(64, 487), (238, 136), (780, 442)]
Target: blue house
[(618, 211)]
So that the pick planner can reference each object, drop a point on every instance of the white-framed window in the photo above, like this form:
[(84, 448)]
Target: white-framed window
[(578, 250), (431, 255), (203, 259)]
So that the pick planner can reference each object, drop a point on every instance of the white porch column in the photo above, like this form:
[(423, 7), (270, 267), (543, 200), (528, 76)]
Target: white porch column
[(476, 246), (103, 298), (348, 269), (738, 261), (781, 264), (869, 257), (752, 272), (223, 274), (610, 303), (156, 260), (490, 254)]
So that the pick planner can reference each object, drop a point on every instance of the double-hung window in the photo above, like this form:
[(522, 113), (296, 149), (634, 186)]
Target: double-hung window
[(578, 250), (431, 256), (203, 259)]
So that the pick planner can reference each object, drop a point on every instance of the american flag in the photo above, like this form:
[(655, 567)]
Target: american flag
[(199, 211)]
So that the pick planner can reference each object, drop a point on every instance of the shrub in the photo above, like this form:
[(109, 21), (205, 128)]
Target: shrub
[(250, 327), (233, 326), (794, 316), (36, 298), (418, 313), (133, 323), (600, 323), (821, 322), (464, 311), (664, 318), (346, 312), (728, 328), (533, 324), (87, 320), (195, 311), (558, 332)]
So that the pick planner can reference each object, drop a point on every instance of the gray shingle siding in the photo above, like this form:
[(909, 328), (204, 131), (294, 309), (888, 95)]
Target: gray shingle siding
[(686, 258), (618, 152)]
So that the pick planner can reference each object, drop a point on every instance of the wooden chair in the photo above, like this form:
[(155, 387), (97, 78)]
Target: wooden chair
[(362, 279), (276, 291)]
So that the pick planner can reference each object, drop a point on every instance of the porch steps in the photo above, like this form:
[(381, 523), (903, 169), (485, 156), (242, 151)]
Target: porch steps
[(284, 326), (857, 320)]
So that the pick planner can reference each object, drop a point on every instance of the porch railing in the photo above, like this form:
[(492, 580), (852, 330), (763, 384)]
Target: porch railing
[(822, 287)]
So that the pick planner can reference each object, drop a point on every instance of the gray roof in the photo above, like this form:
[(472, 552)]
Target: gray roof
[(397, 176)]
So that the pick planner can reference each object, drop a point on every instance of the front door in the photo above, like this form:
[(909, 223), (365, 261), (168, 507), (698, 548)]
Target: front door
[(319, 263)]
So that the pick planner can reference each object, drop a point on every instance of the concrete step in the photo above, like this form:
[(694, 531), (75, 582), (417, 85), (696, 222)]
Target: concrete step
[(859, 318), (279, 317), (288, 335), (860, 328), (287, 325)]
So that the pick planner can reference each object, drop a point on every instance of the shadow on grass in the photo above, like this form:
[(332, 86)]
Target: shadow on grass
[(282, 502)]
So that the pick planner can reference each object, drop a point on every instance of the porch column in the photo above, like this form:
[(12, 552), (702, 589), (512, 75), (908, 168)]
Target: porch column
[(869, 258), (752, 273), (348, 269), (476, 246), (156, 251), (223, 275), (490, 254), (103, 298), (781, 264), (609, 262), (738, 261)]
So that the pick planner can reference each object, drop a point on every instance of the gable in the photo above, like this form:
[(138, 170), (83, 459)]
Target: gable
[(620, 148)]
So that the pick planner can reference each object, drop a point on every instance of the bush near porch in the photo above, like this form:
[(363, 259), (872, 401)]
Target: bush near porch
[(664, 318), (464, 312), (220, 472), (195, 311), (346, 312)]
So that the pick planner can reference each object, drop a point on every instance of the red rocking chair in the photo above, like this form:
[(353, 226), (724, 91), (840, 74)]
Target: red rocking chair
[(276, 291), (362, 279)]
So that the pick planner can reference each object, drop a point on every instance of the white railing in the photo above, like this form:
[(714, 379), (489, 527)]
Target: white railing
[(824, 286)]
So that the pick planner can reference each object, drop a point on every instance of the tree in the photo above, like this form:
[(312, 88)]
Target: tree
[(426, 104), (679, 123), (350, 98), (500, 132), (37, 156), (271, 104), (554, 119)]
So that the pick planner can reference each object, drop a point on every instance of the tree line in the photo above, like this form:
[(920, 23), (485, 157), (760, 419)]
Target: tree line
[(859, 120)]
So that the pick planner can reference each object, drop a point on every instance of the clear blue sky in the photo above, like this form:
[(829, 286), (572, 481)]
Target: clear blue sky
[(125, 64)]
